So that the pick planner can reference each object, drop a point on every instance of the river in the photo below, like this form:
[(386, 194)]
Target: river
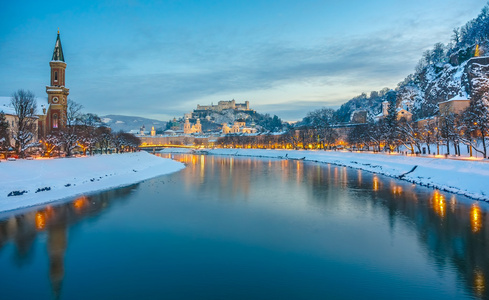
[(246, 228)]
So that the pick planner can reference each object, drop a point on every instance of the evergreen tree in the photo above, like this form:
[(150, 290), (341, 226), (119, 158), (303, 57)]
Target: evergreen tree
[(390, 122), (4, 132)]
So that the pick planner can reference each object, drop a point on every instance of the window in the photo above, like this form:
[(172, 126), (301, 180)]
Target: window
[(55, 76), (55, 121)]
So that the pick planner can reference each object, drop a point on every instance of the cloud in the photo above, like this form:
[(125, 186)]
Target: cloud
[(151, 62), (356, 61)]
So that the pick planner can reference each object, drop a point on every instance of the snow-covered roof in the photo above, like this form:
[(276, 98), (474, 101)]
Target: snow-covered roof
[(457, 97), (402, 109)]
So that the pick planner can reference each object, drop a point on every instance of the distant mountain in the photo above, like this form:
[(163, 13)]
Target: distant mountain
[(128, 123)]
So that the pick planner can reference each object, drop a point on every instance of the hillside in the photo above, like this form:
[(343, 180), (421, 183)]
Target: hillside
[(213, 119), (445, 71)]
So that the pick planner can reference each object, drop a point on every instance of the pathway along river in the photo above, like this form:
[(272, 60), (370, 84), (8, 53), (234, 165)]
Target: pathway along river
[(244, 228)]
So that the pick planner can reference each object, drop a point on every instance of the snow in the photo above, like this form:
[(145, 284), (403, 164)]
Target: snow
[(465, 177), (49, 180), (119, 122)]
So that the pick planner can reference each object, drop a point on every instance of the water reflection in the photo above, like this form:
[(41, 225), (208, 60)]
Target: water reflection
[(476, 218), (54, 221), (451, 230), (454, 232)]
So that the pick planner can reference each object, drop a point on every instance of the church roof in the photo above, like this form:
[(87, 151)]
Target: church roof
[(58, 51)]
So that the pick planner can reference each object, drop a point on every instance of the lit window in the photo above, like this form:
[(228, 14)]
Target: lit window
[(55, 121)]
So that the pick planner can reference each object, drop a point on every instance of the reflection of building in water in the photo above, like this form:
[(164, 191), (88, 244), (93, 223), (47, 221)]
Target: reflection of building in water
[(55, 222), (57, 240), (234, 178)]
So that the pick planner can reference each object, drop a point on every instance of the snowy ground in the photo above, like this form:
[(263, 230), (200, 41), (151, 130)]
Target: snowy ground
[(466, 177), (47, 180)]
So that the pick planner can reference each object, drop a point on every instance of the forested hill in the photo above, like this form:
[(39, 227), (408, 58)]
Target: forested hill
[(445, 71)]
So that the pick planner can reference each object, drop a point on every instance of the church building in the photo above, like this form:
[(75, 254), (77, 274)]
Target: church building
[(53, 117)]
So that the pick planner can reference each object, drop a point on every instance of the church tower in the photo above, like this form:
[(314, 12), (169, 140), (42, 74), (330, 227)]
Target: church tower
[(57, 92)]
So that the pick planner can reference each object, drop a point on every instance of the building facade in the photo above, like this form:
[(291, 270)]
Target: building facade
[(222, 105), (189, 128), (53, 117)]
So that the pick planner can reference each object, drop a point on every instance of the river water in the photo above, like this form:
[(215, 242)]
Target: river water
[(246, 228)]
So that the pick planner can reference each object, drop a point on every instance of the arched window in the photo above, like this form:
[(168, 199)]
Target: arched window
[(55, 76), (55, 121)]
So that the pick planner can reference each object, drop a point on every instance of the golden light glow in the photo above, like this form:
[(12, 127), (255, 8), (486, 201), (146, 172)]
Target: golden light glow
[(439, 203), (477, 52), (397, 190), (40, 221), (80, 203), (476, 218), (479, 282), (453, 203), (376, 183)]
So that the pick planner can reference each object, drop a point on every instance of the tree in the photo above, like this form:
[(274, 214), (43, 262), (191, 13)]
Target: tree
[(24, 104), (88, 132), (476, 121), (390, 123), (358, 136), (322, 120), (70, 134), (447, 126), (4, 132), (456, 36), (438, 53), (53, 141), (410, 136), (429, 134), (104, 139)]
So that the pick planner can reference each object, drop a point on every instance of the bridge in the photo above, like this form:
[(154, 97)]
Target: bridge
[(149, 147)]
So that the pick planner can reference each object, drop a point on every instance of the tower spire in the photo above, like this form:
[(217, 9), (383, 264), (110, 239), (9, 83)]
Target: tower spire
[(58, 50)]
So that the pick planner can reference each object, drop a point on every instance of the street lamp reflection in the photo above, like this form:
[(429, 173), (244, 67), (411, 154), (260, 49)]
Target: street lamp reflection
[(476, 218), (439, 203)]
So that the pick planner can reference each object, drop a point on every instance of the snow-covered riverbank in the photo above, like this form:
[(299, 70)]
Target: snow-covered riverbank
[(470, 178), (34, 182)]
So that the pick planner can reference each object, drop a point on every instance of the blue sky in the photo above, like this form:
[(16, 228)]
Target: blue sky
[(159, 59)]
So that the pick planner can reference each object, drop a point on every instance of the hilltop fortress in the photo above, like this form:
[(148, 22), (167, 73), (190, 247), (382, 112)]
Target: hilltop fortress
[(222, 105)]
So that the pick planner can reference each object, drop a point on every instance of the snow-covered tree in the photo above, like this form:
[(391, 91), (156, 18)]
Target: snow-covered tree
[(53, 142), (429, 134), (88, 134), (476, 121), (70, 134), (321, 120), (24, 104), (411, 137), (104, 139)]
